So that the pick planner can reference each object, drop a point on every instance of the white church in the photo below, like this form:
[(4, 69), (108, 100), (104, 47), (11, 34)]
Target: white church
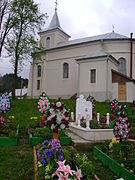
[(102, 66)]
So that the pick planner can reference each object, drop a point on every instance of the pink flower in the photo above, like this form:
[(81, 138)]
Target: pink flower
[(67, 170), (61, 164), (120, 118), (125, 118), (78, 173), (56, 173), (62, 177)]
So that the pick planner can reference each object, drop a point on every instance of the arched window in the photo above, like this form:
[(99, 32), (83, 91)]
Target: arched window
[(39, 70), (122, 65), (65, 70), (48, 42)]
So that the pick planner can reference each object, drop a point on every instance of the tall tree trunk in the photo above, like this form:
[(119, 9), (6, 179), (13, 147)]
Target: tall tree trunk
[(15, 77), (16, 60), (5, 33)]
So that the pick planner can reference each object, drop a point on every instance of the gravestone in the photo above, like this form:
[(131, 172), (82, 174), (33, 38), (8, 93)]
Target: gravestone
[(83, 109)]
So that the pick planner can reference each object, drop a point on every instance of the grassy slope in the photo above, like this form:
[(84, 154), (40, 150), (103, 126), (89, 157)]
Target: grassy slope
[(16, 163)]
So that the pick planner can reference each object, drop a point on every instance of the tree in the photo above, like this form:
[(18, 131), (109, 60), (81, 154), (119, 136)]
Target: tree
[(6, 83), (6, 21), (20, 41)]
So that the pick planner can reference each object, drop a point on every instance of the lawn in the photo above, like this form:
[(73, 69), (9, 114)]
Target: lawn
[(16, 162)]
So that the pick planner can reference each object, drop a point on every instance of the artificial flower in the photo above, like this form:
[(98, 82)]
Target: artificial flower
[(78, 173)]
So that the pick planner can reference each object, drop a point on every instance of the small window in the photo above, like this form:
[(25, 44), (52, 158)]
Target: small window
[(93, 76), (65, 70), (122, 65), (39, 70), (38, 84), (48, 42)]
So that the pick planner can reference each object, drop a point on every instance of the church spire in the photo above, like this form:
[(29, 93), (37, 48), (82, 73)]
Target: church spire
[(55, 20)]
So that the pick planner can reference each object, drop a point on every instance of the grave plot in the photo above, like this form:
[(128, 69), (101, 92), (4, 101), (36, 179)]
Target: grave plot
[(8, 128), (55, 120)]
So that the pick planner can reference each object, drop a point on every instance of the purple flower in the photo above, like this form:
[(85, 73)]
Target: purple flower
[(45, 142), (43, 161), (61, 158), (38, 154), (49, 154), (61, 151)]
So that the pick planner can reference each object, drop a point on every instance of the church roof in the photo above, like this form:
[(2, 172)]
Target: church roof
[(96, 54), (107, 36), (54, 22)]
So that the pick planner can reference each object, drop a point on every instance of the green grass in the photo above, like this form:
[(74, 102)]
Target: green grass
[(16, 162)]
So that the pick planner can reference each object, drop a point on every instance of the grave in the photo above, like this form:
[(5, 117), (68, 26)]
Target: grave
[(84, 110)]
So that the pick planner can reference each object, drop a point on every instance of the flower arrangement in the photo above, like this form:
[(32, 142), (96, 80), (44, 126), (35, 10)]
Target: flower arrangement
[(57, 116), (122, 126), (48, 154), (122, 110), (114, 105), (43, 103), (4, 103), (64, 172), (93, 101)]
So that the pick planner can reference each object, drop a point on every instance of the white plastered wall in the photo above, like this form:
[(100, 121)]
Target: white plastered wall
[(130, 86)]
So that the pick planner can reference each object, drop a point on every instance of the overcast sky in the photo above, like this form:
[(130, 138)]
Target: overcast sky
[(82, 18)]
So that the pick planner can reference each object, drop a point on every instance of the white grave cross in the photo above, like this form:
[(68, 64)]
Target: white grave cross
[(83, 109)]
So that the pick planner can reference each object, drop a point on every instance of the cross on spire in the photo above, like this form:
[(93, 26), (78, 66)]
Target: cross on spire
[(113, 28), (56, 4)]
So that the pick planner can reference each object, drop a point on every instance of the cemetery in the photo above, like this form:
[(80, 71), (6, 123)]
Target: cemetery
[(59, 138)]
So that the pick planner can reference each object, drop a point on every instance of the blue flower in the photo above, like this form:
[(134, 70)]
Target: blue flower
[(45, 142), (38, 154), (43, 161), (61, 151), (61, 158)]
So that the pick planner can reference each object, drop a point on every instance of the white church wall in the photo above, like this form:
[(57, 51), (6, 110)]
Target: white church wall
[(130, 86), (120, 49), (55, 85), (98, 89), (56, 36)]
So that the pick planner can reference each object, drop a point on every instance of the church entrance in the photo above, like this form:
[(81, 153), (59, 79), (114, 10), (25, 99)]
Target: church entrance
[(122, 91)]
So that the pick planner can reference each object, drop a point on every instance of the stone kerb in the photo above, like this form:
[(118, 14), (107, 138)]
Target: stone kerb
[(91, 134)]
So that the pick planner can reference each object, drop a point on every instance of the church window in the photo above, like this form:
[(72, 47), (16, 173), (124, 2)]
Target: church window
[(93, 76), (39, 70), (38, 84), (122, 65), (65, 70), (48, 42)]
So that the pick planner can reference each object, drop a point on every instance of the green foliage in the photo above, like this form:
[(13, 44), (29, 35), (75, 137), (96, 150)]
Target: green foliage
[(85, 165), (94, 124), (6, 83), (43, 132)]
